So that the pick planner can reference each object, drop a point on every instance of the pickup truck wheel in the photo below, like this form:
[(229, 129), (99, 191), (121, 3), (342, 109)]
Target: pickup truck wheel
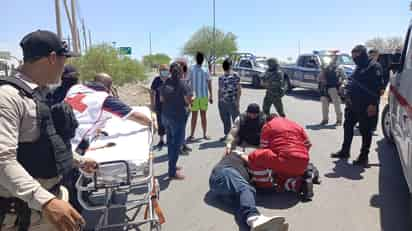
[(386, 124), (256, 82)]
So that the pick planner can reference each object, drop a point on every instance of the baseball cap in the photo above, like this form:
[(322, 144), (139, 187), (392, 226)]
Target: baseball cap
[(41, 43), (253, 108)]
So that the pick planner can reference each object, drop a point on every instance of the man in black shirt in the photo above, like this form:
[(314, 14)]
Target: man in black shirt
[(230, 178), (362, 101), (155, 103)]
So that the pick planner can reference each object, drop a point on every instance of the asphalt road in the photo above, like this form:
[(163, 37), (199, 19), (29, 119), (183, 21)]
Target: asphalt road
[(349, 198)]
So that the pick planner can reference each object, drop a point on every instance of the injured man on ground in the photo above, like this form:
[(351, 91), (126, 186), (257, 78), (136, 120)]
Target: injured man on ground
[(281, 164)]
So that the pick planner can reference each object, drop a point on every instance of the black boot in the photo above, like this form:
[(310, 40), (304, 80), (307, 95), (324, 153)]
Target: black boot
[(306, 192), (340, 155), (362, 161)]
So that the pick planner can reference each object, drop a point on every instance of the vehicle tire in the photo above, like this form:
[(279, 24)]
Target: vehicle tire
[(287, 85), (386, 124), (256, 82)]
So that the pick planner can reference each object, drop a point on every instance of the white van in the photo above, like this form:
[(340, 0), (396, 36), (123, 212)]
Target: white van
[(397, 114)]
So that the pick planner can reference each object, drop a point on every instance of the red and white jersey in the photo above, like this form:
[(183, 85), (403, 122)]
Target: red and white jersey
[(87, 105)]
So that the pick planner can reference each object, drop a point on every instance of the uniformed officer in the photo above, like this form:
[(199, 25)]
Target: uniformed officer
[(362, 100), (33, 153), (273, 81)]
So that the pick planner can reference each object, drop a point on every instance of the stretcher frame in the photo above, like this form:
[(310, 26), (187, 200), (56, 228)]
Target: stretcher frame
[(153, 215)]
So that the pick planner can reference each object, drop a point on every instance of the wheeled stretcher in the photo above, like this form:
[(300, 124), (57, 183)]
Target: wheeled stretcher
[(124, 182)]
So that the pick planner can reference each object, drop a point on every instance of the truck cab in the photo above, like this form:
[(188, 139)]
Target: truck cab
[(397, 113), (305, 74), (249, 67)]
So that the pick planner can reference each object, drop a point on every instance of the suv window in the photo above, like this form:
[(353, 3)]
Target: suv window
[(311, 62), (301, 61), (245, 64)]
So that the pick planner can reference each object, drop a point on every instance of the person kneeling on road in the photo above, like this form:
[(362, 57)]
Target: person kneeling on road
[(282, 161), (246, 129), (230, 179)]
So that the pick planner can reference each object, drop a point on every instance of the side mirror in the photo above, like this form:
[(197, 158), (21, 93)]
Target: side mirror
[(396, 67)]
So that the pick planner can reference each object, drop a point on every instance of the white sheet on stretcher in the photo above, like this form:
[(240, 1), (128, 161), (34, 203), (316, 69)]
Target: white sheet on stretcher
[(132, 144)]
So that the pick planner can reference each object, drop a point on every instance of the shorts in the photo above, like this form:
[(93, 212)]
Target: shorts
[(200, 104)]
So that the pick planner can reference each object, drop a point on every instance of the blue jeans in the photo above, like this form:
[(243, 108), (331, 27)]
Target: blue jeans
[(175, 133), (227, 182), (228, 113)]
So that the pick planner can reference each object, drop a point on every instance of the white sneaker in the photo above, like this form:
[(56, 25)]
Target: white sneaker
[(262, 223)]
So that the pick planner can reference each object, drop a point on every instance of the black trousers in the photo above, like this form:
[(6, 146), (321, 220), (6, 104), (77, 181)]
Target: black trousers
[(366, 126), (161, 128)]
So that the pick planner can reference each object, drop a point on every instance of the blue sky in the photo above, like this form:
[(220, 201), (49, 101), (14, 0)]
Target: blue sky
[(265, 27)]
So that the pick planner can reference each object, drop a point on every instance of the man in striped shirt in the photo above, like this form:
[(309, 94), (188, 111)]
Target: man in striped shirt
[(201, 85)]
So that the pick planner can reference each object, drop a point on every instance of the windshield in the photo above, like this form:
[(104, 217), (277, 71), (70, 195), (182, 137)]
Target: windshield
[(262, 63), (342, 60)]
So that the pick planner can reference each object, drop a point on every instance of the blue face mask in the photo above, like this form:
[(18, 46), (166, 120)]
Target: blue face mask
[(164, 73)]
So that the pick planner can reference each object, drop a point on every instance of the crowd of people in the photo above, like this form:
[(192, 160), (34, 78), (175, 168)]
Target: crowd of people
[(59, 120)]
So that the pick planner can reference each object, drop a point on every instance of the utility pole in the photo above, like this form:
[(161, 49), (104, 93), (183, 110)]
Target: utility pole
[(90, 39), (150, 43), (298, 47), (58, 18), (84, 35), (214, 37), (74, 28)]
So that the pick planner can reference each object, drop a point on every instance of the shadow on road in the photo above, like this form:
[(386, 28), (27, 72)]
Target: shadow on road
[(160, 159), (345, 170), (276, 200), (226, 206), (317, 127), (393, 197), (269, 200), (212, 144), (304, 94), (164, 181)]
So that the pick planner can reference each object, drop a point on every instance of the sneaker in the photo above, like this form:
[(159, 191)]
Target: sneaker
[(324, 122), (306, 190), (190, 139), (206, 137), (160, 145), (262, 223), (178, 176), (183, 152), (223, 139), (362, 161), (340, 155), (186, 148)]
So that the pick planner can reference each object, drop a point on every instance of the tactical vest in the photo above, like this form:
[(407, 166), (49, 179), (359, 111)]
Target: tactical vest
[(50, 155), (332, 79), (250, 130)]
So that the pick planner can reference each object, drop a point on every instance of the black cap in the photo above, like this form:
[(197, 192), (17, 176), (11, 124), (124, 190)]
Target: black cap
[(360, 49), (41, 43), (253, 108), (70, 71)]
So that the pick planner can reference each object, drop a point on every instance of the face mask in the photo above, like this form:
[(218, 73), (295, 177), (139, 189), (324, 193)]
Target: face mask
[(361, 60), (164, 74)]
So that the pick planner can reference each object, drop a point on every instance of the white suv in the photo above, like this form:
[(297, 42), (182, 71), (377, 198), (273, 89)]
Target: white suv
[(397, 114)]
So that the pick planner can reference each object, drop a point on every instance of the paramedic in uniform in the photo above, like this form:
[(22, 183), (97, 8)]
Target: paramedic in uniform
[(93, 106), (44, 58)]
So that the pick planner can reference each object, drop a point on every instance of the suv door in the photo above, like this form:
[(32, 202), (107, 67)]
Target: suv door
[(310, 72), (401, 110), (245, 67)]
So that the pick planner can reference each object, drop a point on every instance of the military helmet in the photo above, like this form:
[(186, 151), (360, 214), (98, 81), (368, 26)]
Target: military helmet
[(273, 63)]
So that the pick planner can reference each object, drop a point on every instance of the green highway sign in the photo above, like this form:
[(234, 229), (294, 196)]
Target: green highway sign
[(125, 50), (5, 55)]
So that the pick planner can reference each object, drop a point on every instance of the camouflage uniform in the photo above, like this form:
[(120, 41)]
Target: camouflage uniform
[(273, 82)]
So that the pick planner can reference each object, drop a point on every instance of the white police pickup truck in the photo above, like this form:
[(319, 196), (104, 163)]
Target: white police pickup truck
[(397, 113), (305, 74)]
